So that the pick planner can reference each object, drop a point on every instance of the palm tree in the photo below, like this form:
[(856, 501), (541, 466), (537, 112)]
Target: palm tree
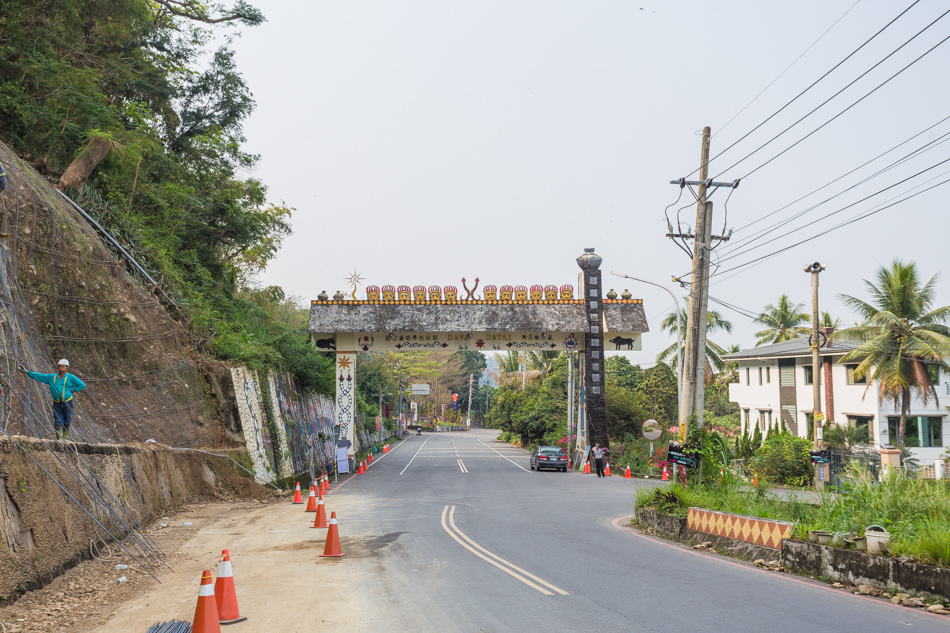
[(714, 353), (541, 359), (729, 373), (827, 321), (784, 321), (901, 337)]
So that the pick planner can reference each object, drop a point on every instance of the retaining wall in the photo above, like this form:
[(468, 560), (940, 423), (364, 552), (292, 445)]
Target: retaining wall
[(43, 532)]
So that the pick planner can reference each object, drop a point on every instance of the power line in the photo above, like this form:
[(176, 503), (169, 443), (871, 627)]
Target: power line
[(834, 228), (787, 68), (868, 94), (795, 98)]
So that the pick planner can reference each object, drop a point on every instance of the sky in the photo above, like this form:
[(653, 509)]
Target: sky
[(421, 142)]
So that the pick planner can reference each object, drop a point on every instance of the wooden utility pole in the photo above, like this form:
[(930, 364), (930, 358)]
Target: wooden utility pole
[(694, 369)]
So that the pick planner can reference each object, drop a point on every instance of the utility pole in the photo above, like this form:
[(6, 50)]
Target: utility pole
[(694, 367), (471, 379), (815, 269), (694, 374)]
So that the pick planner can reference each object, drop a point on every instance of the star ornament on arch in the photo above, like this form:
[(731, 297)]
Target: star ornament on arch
[(344, 362)]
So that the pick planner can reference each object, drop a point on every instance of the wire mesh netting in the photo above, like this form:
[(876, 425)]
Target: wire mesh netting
[(64, 294)]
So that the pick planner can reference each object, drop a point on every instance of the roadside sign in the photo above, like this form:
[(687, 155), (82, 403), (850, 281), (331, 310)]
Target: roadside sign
[(652, 430), (421, 389), (681, 454), (820, 457)]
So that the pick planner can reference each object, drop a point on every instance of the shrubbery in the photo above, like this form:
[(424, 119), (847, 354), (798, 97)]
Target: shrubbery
[(785, 459)]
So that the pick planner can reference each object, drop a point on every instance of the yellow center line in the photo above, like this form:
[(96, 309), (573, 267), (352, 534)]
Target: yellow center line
[(487, 559)]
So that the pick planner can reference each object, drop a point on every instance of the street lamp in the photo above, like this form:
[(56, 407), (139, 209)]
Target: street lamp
[(679, 339)]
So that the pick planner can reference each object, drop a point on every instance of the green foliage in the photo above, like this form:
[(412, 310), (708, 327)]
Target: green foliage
[(657, 393), (784, 321), (621, 373), (785, 458), (137, 73), (745, 445), (845, 436)]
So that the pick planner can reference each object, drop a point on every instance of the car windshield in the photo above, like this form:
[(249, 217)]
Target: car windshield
[(551, 451)]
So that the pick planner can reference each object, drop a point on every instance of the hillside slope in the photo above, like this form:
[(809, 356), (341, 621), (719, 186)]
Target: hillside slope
[(64, 294)]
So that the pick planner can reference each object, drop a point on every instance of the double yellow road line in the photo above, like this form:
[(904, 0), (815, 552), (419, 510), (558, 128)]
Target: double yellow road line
[(509, 568)]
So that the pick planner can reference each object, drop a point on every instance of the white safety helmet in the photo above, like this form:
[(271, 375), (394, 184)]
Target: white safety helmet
[(62, 361)]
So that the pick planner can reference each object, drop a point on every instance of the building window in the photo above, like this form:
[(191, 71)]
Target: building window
[(745, 419), (765, 419), (768, 375), (747, 371), (862, 422), (809, 375), (920, 430), (760, 376), (851, 378)]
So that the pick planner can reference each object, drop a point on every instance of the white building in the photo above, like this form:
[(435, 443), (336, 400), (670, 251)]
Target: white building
[(776, 383)]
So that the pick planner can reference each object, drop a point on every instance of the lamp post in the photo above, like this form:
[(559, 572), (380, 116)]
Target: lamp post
[(679, 339)]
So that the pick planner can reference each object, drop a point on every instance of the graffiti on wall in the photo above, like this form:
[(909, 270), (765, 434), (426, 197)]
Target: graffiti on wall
[(253, 422)]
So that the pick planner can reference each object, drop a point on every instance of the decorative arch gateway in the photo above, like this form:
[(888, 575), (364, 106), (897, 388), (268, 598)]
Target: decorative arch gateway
[(508, 318)]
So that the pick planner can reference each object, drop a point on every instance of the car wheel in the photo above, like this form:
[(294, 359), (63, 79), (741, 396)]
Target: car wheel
[(531, 465)]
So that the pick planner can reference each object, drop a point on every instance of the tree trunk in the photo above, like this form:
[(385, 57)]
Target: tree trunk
[(905, 406), (79, 170)]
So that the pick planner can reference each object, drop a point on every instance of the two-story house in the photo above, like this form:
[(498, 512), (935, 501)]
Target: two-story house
[(776, 382)]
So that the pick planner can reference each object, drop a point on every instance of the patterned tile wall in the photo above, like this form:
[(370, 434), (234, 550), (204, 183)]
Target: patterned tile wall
[(765, 532)]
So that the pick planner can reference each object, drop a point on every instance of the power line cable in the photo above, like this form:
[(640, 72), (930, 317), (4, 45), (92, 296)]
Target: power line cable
[(835, 117), (812, 85), (834, 228), (787, 68)]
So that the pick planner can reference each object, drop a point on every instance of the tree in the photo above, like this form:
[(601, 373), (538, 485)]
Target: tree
[(784, 321), (657, 393), (901, 338), (714, 323), (621, 373), (729, 373)]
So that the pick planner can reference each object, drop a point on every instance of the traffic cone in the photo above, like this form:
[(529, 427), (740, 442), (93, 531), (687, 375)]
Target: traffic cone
[(332, 547), (320, 521), (311, 502), (321, 490), (607, 470), (755, 479), (586, 468), (297, 497), (206, 611), (666, 475), (326, 482), (224, 596), (361, 471), (386, 448), (627, 475), (370, 458)]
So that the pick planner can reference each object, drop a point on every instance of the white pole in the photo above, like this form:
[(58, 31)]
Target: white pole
[(570, 399)]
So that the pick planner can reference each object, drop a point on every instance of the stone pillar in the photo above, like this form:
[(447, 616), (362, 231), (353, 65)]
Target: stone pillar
[(345, 379), (890, 457), (591, 291)]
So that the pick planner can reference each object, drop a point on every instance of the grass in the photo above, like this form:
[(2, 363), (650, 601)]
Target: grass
[(915, 511)]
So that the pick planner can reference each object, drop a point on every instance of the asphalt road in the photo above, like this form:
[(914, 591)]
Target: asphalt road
[(453, 532)]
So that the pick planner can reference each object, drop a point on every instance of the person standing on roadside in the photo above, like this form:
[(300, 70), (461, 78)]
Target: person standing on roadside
[(62, 386), (598, 454)]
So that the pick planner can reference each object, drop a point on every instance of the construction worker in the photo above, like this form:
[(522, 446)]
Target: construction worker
[(62, 386)]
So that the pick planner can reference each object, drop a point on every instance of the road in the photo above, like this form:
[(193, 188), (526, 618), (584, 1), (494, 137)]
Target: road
[(452, 532)]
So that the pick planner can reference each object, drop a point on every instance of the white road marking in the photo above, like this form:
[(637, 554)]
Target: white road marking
[(462, 466), (376, 459), (455, 533), (503, 457), (414, 456)]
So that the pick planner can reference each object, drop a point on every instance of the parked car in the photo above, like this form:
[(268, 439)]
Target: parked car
[(548, 457)]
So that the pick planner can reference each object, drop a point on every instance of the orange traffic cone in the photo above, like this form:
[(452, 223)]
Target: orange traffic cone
[(386, 448), (586, 468), (224, 596), (320, 521), (326, 482), (332, 547), (370, 458), (607, 470), (755, 479), (297, 497), (361, 471), (206, 612), (627, 475), (666, 475), (311, 502), (322, 488)]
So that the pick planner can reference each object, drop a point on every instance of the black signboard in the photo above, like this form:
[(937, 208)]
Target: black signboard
[(820, 457), (681, 454)]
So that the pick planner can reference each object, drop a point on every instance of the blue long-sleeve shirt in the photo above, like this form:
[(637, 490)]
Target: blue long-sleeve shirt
[(62, 389)]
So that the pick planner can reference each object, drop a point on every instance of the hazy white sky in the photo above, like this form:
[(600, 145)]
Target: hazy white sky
[(423, 142)]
